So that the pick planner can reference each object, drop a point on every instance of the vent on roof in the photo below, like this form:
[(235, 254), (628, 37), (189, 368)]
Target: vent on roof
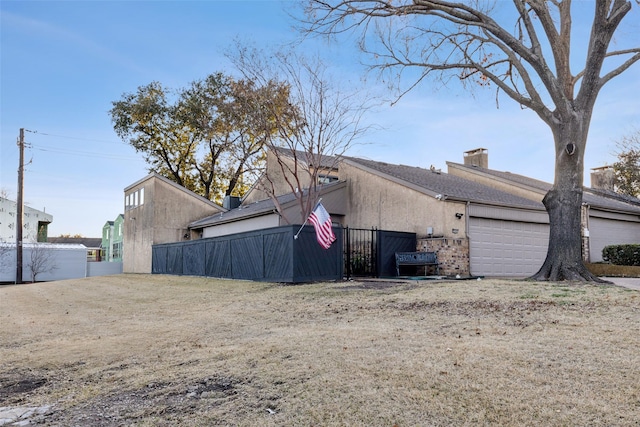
[(478, 157), (603, 178)]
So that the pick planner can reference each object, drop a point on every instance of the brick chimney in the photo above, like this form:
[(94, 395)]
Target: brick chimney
[(603, 178), (478, 157)]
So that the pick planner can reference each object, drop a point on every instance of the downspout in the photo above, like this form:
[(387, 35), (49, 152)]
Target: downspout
[(586, 238), (466, 233), (466, 221)]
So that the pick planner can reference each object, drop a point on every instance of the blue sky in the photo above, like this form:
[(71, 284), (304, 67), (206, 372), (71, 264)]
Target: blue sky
[(64, 62)]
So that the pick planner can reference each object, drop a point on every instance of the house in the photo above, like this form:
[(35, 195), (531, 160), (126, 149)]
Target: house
[(608, 218), (157, 210), (279, 177), (479, 221), (93, 245), (263, 213), (111, 243), (105, 243), (35, 222)]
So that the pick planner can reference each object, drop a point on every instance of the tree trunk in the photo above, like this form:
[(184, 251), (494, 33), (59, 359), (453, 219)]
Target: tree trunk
[(564, 205)]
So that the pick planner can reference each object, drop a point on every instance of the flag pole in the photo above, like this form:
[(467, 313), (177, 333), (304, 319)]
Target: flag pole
[(307, 219)]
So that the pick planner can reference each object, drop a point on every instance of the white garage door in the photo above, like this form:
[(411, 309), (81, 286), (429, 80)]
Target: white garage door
[(604, 232), (506, 248)]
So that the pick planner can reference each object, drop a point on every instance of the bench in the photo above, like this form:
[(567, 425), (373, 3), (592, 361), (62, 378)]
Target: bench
[(425, 259)]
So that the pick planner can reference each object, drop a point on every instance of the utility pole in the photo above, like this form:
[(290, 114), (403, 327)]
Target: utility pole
[(20, 208)]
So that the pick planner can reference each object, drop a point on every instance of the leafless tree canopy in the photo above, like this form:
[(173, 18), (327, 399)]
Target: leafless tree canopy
[(627, 167), (322, 122), (528, 59), (41, 260)]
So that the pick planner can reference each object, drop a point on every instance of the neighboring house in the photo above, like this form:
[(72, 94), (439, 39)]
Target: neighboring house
[(35, 223), (157, 210), (107, 233), (112, 237), (479, 221), (93, 245)]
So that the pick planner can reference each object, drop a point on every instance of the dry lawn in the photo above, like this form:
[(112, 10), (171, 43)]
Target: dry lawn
[(163, 351)]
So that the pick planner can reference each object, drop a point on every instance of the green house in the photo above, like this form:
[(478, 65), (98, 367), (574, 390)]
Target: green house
[(112, 236)]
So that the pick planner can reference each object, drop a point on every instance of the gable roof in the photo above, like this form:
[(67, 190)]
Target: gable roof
[(327, 161), (434, 182), (89, 242), (259, 208), (175, 185), (595, 198)]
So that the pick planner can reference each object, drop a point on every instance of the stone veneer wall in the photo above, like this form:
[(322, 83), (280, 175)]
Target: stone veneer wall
[(453, 254)]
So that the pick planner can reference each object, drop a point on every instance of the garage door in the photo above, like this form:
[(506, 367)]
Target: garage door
[(604, 232), (506, 248)]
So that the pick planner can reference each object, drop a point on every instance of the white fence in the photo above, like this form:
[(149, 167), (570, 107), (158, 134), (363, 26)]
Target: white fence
[(103, 268), (51, 261)]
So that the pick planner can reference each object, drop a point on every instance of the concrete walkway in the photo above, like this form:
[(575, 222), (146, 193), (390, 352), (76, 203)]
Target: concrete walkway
[(627, 282), (21, 416)]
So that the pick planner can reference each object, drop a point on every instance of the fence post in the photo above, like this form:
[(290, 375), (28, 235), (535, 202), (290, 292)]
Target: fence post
[(374, 255), (347, 250)]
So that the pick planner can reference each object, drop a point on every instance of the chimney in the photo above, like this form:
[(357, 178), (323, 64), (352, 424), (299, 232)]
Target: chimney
[(603, 178), (478, 157), (230, 202)]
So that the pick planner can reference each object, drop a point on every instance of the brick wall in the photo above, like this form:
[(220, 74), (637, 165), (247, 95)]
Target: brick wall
[(453, 254)]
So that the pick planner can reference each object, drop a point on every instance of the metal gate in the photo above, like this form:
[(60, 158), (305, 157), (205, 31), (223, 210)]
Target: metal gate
[(371, 252), (360, 252)]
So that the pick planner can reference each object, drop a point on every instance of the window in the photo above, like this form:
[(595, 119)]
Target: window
[(117, 250), (326, 179), (133, 200)]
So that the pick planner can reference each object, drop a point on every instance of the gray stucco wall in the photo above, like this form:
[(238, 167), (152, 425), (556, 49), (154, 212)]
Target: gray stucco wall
[(374, 201), (163, 217)]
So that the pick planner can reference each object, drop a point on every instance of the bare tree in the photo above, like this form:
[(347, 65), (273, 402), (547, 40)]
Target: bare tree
[(5, 250), (525, 51), (627, 168), (41, 260), (309, 137)]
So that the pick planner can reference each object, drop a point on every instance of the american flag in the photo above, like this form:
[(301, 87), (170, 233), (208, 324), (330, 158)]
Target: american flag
[(322, 223)]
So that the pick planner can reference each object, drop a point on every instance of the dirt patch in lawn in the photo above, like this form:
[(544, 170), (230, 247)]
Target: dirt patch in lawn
[(166, 350)]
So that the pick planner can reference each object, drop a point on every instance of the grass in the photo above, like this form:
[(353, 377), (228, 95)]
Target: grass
[(164, 350), (611, 270)]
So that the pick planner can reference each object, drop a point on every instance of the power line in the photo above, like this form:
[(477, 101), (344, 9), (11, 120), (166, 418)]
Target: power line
[(74, 137), (83, 153)]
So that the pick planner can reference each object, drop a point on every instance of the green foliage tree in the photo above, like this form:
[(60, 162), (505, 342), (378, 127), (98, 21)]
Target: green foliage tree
[(149, 122), (627, 168), (524, 48), (202, 137)]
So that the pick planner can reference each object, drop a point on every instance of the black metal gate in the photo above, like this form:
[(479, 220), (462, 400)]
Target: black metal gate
[(371, 252), (360, 252)]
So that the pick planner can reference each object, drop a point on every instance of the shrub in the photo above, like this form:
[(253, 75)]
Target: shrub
[(622, 254)]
